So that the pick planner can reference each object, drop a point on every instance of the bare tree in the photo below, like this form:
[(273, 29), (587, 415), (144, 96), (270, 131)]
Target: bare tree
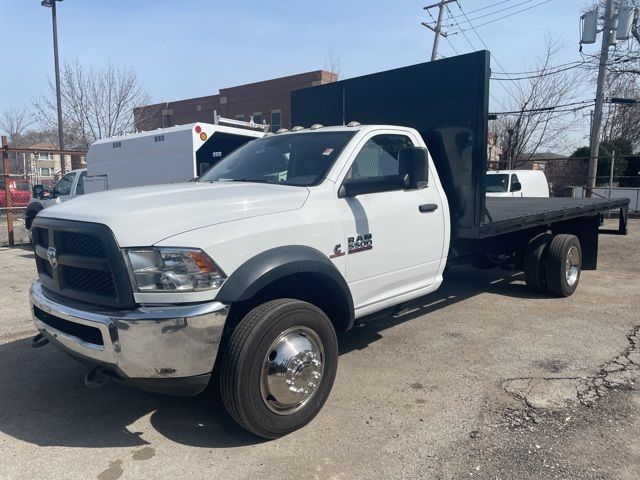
[(542, 109), (622, 121), (14, 123), (96, 103), (332, 63)]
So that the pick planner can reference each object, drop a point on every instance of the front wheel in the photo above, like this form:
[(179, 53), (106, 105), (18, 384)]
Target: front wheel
[(279, 367)]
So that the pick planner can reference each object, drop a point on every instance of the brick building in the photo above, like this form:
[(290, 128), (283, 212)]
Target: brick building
[(267, 101)]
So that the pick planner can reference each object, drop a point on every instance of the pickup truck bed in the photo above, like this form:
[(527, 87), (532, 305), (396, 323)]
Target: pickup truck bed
[(504, 214)]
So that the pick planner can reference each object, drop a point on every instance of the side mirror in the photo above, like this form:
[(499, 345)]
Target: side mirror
[(38, 191), (353, 187), (414, 161), (516, 186)]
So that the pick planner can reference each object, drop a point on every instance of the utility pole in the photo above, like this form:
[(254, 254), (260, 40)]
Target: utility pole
[(594, 140), (438, 28)]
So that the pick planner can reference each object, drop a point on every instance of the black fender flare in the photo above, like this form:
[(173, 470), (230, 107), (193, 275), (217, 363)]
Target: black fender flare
[(280, 262), (34, 208)]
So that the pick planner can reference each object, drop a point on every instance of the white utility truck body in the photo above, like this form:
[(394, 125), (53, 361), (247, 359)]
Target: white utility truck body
[(517, 183), (165, 155)]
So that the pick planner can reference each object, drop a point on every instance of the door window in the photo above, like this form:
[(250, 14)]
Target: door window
[(80, 186), (379, 156), (63, 187)]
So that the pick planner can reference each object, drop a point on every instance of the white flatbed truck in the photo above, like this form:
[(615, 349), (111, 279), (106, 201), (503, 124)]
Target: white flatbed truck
[(245, 275)]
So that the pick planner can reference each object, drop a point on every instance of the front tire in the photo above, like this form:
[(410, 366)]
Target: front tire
[(279, 367)]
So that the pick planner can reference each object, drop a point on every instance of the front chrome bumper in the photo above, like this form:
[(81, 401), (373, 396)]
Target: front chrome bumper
[(150, 342)]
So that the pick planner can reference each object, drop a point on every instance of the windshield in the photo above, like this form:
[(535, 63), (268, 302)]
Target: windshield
[(497, 183), (302, 159)]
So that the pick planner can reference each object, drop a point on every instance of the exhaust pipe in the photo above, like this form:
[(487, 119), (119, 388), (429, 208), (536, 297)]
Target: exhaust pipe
[(39, 341), (98, 376)]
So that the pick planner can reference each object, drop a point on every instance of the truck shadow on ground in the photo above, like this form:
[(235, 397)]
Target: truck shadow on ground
[(461, 283), (44, 402)]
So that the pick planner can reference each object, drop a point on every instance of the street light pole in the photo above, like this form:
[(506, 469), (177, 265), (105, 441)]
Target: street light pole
[(52, 4)]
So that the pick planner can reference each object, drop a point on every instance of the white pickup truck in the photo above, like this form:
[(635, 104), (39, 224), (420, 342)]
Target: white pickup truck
[(250, 271)]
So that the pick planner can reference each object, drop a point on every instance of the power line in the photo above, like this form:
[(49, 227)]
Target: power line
[(451, 45), (488, 6), (539, 75), (545, 109), (458, 53), (474, 49), (511, 14), (498, 11), (485, 46), (582, 62)]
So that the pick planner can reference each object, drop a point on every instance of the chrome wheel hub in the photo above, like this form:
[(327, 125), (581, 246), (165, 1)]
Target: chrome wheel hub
[(292, 370), (572, 269)]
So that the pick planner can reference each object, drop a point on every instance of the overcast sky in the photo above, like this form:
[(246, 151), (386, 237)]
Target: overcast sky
[(188, 48)]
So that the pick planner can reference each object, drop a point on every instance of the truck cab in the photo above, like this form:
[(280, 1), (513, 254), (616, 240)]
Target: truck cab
[(332, 219), (69, 186)]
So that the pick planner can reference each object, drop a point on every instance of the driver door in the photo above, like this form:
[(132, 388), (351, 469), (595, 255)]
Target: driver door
[(393, 247)]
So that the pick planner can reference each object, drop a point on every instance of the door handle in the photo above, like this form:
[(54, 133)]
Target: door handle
[(428, 207)]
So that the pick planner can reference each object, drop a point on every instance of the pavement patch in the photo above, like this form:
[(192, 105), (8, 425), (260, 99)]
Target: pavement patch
[(554, 394)]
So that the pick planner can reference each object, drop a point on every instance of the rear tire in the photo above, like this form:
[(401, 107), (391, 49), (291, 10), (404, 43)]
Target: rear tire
[(563, 265), (279, 367), (534, 262)]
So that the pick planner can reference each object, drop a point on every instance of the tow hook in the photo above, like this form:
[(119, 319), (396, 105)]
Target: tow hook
[(97, 377), (39, 341)]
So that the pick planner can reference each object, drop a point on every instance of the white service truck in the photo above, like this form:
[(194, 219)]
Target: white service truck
[(245, 275), (165, 155)]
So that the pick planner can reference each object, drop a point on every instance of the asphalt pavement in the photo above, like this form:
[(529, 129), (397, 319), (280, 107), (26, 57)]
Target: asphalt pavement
[(482, 379)]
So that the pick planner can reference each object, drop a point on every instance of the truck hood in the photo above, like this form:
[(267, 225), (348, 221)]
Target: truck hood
[(146, 215)]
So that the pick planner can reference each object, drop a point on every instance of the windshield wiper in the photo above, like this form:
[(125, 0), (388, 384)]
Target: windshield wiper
[(245, 180)]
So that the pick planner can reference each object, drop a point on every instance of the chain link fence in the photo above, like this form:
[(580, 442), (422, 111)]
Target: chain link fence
[(20, 232)]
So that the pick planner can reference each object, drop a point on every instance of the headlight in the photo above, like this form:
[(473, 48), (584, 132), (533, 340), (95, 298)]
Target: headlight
[(174, 269)]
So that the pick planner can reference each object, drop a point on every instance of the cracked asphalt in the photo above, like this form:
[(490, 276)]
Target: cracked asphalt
[(482, 379)]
